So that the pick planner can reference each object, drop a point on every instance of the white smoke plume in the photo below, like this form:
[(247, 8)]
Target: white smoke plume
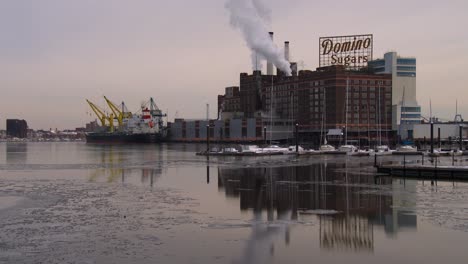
[(250, 17)]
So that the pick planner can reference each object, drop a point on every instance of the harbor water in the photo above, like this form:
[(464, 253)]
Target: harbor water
[(85, 203)]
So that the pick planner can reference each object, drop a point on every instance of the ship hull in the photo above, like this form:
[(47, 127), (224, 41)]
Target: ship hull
[(123, 138)]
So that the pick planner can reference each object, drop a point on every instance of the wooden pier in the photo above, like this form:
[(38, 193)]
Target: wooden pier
[(423, 172)]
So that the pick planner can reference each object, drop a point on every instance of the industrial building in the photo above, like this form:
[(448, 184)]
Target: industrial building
[(406, 112), (17, 128), (357, 102), (236, 130)]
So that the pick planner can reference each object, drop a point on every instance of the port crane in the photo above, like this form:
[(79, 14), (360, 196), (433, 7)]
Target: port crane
[(119, 114), (102, 116)]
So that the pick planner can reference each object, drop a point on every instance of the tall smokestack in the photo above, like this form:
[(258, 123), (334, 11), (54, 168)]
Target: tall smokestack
[(286, 50), (269, 63)]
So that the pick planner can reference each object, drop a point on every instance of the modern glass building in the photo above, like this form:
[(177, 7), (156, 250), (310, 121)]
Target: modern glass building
[(406, 110)]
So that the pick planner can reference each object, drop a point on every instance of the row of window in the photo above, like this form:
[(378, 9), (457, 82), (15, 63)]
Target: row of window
[(406, 61), (406, 68), (406, 74), (410, 116), (376, 63), (411, 109)]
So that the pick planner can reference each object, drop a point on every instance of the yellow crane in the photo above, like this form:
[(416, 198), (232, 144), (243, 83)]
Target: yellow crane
[(119, 114), (102, 116)]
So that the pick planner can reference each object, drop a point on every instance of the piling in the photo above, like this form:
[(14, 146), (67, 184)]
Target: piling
[(297, 138), (264, 135), (438, 138), (461, 137), (208, 139), (432, 137)]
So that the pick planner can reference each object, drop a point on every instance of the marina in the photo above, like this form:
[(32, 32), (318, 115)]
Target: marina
[(159, 198)]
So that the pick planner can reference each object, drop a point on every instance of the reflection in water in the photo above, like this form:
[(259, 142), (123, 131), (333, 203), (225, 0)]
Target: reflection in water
[(347, 205), (342, 232), (16, 152), (115, 168)]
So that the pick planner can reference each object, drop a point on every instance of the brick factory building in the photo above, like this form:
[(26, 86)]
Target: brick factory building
[(316, 100)]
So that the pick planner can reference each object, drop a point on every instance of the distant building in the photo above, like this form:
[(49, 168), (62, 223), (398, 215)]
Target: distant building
[(406, 110), (17, 128), (91, 126)]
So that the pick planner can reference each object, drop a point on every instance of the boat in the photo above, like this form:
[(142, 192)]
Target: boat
[(407, 150), (122, 137), (146, 127), (327, 148), (348, 148)]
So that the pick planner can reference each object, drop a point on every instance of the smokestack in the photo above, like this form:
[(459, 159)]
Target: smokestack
[(286, 50), (269, 63)]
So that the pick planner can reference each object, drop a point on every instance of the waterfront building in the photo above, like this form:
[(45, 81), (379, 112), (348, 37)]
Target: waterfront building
[(235, 130), (356, 101), (405, 108), (17, 128)]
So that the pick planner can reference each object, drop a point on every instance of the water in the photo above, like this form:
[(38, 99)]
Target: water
[(78, 203)]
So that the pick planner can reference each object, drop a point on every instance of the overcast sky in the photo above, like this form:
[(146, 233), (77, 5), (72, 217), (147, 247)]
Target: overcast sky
[(56, 53)]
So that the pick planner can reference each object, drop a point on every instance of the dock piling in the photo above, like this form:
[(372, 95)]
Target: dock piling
[(432, 137), (208, 139), (297, 138), (461, 137), (438, 138)]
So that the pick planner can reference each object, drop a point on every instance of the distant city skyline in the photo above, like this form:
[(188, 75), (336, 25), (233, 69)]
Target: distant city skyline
[(55, 54)]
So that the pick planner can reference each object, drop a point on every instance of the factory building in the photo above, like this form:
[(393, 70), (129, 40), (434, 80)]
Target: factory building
[(405, 108), (334, 98), (17, 128), (235, 130)]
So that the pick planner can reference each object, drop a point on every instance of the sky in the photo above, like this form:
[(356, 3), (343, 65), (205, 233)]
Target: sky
[(56, 53)]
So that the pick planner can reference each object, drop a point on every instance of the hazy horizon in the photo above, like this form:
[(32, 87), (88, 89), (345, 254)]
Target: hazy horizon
[(54, 54)]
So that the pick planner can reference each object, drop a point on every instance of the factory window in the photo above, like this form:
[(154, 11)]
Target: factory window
[(372, 89), (388, 82), (388, 96), (406, 68), (411, 109), (372, 95), (406, 61), (406, 74), (364, 95), (376, 63), (372, 82)]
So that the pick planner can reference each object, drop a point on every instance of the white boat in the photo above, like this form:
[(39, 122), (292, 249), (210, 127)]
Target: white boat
[(360, 153), (250, 149), (327, 147), (311, 152), (407, 149), (274, 149), (382, 150), (292, 149), (348, 148)]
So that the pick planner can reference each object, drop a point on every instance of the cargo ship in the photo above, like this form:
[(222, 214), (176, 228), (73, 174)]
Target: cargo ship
[(122, 126)]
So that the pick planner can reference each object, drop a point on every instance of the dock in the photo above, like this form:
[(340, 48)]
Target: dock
[(239, 154), (458, 173)]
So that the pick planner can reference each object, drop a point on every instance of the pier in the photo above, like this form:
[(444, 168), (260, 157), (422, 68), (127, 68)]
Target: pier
[(425, 172)]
